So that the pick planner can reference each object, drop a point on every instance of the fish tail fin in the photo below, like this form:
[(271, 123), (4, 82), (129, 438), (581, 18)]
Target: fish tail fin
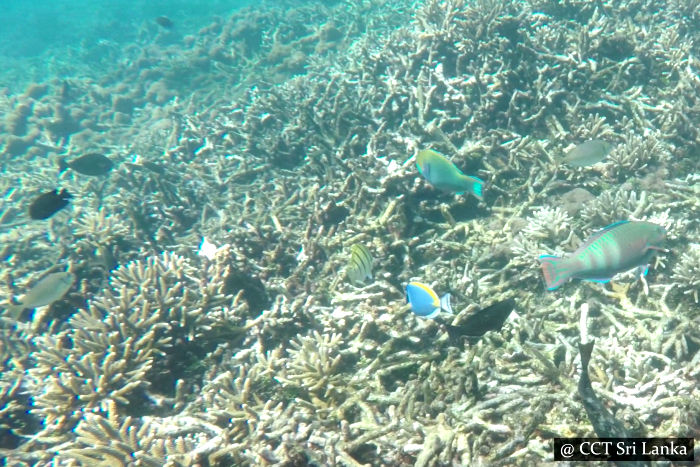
[(452, 332), (475, 186), (62, 165), (445, 303), (643, 270), (585, 351), (555, 271)]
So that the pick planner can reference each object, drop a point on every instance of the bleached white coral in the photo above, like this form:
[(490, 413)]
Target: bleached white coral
[(313, 362), (111, 440), (616, 205), (636, 153), (551, 224), (686, 273)]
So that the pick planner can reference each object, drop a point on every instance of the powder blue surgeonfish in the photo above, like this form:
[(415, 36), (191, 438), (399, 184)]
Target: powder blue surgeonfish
[(614, 249), (425, 302), (445, 176)]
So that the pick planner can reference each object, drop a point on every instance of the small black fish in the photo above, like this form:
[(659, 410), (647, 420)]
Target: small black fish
[(477, 324), (48, 204), (165, 22), (89, 164)]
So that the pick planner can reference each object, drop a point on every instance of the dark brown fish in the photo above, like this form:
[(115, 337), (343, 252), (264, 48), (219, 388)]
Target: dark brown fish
[(90, 164), (479, 323), (48, 204), (165, 22), (604, 423)]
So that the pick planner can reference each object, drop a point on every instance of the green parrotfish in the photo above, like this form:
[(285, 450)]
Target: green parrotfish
[(614, 249), (445, 176)]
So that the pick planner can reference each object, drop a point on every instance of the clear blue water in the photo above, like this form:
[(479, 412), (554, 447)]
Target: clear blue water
[(35, 35)]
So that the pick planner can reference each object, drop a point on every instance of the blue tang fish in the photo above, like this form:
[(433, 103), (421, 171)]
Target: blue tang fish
[(614, 249), (425, 302), (445, 176)]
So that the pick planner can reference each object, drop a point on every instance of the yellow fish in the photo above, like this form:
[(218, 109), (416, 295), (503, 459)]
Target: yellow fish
[(445, 176)]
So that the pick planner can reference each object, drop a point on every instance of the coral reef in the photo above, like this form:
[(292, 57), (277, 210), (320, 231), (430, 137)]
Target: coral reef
[(295, 143), (686, 274)]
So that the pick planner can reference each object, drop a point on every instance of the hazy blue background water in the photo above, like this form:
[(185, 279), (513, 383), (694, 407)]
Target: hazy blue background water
[(41, 38)]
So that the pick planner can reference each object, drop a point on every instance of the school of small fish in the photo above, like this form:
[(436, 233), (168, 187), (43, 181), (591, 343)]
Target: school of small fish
[(614, 249), (53, 287)]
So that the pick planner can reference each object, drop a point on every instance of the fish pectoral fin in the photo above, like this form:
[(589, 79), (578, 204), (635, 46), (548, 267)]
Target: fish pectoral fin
[(658, 248), (642, 270)]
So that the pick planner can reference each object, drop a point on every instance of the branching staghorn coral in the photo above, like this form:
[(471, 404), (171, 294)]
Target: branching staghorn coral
[(548, 224), (108, 439), (14, 422), (100, 228), (686, 272), (313, 364), (614, 205), (126, 338), (635, 153), (285, 179)]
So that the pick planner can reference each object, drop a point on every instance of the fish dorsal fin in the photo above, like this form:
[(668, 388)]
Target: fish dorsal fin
[(596, 235)]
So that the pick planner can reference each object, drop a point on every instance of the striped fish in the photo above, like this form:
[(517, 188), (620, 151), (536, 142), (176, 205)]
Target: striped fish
[(360, 266), (614, 249)]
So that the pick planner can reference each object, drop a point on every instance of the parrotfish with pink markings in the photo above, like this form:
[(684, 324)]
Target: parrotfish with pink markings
[(616, 248)]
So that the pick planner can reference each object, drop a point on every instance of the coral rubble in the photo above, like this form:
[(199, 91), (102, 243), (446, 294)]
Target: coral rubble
[(295, 143)]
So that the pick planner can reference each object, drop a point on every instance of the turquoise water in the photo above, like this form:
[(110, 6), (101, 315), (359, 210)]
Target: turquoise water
[(199, 199), (43, 39)]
